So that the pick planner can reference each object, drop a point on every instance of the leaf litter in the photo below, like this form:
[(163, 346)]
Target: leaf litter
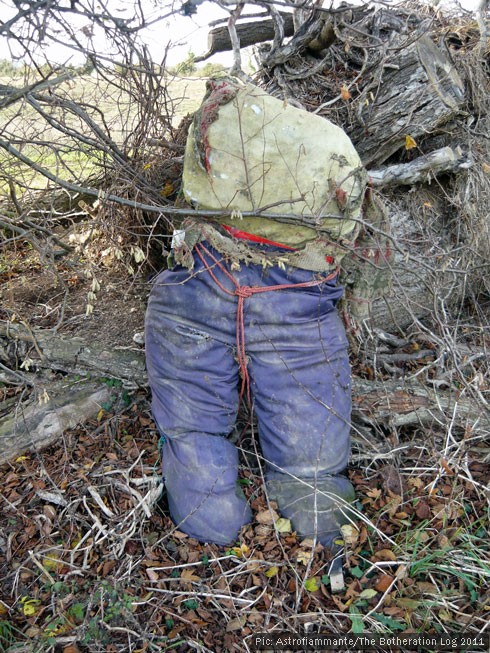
[(90, 559)]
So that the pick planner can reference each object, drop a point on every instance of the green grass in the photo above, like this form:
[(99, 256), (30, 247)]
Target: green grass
[(111, 108)]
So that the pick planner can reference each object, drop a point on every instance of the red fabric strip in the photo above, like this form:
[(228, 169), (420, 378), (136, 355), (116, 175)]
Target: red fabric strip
[(243, 235)]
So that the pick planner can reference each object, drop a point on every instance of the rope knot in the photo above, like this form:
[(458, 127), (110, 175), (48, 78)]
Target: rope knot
[(244, 291)]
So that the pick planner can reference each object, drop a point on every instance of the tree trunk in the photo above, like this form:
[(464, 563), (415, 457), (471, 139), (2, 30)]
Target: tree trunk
[(416, 91)]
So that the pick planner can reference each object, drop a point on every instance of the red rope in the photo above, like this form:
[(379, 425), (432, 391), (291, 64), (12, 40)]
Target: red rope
[(243, 292)]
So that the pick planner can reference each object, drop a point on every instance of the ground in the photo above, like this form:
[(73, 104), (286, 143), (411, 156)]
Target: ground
[(90, 560), (46, 295)]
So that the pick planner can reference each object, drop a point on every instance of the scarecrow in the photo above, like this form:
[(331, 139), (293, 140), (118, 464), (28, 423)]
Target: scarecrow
[(248, 309)]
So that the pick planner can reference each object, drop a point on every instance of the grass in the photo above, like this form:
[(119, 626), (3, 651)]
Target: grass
[(68, 157)]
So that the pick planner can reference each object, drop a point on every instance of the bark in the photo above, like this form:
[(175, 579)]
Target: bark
[(399, 403), (248, 34), (39, 422), (428, 281), (76, 355), (416, 90), (423, 168)]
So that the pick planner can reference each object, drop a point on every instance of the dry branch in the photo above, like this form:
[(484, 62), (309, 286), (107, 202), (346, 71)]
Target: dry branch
[(40, 422), (423, 168), (248, 34)]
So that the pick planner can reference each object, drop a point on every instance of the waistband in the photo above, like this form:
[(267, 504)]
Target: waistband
[(244, 235), (258, 240)]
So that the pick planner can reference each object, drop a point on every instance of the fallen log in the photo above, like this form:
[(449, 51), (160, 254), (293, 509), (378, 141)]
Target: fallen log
[(40, 422), (248, 34), (76, 355), (32, 425), (400, 403), (416, 90)]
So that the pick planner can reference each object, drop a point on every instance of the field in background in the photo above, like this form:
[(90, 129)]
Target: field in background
[(63, 156)]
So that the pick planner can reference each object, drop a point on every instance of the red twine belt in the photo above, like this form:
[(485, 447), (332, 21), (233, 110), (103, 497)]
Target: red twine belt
[(243, 292)]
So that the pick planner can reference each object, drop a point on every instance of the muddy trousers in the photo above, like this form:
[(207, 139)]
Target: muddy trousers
[(299, 375)]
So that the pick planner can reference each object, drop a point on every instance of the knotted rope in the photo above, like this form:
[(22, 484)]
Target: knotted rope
[(243, 293)]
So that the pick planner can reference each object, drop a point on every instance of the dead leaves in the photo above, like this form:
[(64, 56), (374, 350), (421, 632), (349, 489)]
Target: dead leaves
[(268, 516), (188, 575), (211, 593), (383, 583)]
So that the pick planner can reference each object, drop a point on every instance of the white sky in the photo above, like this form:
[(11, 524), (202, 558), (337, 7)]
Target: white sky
[(183, 33)]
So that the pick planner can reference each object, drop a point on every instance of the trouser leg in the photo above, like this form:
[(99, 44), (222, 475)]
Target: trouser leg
[(302, 392), (193, 377)]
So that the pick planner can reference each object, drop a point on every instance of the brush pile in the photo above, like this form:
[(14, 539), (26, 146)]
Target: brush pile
[(90, 559)]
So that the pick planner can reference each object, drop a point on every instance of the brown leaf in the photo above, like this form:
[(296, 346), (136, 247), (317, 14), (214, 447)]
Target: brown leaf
[(422, 510), (107, 567), (392, 481), (176, 630), (384, 554), (443, 540), (71, 648), (152, 575), (266, 517), (303, 557), (383, 583), (341, 606), (189, 575), (363, 535), (394, 612), (179, 535), (268, 546), (255, 617), (236, 624), (416, 482)]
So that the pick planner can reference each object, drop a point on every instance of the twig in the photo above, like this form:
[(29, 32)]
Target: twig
[(44, 571)]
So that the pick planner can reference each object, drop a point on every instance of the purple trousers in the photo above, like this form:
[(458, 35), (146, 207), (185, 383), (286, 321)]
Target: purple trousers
[(300, 385)]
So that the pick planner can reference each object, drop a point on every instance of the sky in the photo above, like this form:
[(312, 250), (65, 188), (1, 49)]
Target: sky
[(183, 33)]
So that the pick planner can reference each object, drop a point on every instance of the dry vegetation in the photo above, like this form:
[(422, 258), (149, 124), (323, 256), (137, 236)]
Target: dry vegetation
[(89, 558)]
